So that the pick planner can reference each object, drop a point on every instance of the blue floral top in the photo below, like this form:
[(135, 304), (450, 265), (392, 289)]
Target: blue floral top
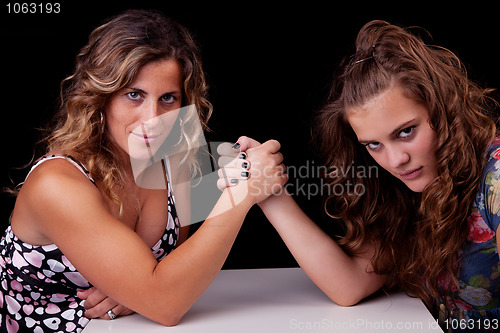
[(475, 305)]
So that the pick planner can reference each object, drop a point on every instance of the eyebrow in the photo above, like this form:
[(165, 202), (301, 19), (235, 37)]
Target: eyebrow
[(397, 130), (173, 92)]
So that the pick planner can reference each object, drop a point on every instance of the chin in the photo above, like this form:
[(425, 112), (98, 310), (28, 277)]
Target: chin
[(418, 187), (141, 150)]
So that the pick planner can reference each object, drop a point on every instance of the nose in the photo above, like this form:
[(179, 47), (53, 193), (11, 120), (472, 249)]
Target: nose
[(397, 157), (150, 114)]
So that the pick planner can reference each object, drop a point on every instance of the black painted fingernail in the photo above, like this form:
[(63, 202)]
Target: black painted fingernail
[(234, 181), (236, 146), (245, 174), (242, 156), (244, 165)]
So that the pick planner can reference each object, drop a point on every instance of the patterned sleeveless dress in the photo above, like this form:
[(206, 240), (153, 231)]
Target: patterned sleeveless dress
[(38, 284)]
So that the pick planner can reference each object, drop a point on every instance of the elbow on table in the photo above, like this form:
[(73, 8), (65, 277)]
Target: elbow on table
[(347, 300), (353, 294), (170, 320), (166, 312)]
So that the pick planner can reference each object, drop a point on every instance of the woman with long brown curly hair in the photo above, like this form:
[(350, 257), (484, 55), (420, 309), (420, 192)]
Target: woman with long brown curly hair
[(84, 216), (427, 220)]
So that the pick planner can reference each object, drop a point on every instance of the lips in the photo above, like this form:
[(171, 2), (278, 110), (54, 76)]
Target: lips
[(144, 137), (411, 174)]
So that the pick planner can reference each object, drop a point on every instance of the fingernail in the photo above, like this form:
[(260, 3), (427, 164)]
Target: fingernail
[(244, 165), (234, 181), (236, 146), (245, 174), (242, 156)]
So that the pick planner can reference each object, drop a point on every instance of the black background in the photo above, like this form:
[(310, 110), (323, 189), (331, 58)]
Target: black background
[(268, 66)]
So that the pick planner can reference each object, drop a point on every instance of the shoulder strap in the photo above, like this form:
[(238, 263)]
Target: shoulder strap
[(69, 158)]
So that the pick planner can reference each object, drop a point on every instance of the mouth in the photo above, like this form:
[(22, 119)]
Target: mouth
[(144, 137), (412, 174)]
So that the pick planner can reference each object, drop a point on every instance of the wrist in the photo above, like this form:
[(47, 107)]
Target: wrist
[(274, 200), (232, 201), (238, 196)]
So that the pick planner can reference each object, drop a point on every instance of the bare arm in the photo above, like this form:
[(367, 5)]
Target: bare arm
[(97, 304), (346, 280), (121, 265), (116, 260)]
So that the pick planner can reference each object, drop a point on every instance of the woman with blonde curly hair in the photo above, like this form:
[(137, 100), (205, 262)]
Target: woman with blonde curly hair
[(86, 240), (427, 220)]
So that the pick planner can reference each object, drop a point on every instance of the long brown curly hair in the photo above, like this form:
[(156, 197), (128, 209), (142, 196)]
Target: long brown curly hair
[(110, 61), (419, 235)]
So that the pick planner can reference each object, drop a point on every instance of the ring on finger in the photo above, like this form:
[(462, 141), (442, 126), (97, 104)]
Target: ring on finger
[(111, 314)]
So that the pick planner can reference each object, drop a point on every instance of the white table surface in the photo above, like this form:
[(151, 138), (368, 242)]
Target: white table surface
[(281, 300)]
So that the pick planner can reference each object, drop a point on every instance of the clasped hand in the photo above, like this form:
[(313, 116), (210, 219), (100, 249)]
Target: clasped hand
[(257, 166)]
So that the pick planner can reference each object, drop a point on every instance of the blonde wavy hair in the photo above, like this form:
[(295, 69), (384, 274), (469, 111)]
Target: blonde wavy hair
[(109, 62), (420, 235)]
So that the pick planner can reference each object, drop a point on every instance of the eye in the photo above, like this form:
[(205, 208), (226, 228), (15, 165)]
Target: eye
[(134, 95), (407, 132), (374, 146), (170, 99)]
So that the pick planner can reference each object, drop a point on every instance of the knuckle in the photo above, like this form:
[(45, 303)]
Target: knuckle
[(119, 309), (275, 143), (99, 310), (223, 147), (91, 313), (224, 161), (95, 297), (243, 138), (89, 304)]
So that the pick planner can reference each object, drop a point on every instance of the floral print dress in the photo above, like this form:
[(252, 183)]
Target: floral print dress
[(38, 284), (474, 306)]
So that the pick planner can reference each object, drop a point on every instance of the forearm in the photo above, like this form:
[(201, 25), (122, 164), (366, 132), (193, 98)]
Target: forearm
[(343, 278), (116, 259), (189, 269)]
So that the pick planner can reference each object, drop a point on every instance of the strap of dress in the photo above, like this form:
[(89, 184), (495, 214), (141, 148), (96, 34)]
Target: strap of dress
[(69, 158)]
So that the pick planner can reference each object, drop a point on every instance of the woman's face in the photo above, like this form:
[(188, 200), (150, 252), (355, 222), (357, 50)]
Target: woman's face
[(140, 116), (396, 132)]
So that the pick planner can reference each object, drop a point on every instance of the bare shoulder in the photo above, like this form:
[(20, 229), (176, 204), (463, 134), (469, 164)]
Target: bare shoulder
[(70, 212), (55, 178), (53, 187)]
